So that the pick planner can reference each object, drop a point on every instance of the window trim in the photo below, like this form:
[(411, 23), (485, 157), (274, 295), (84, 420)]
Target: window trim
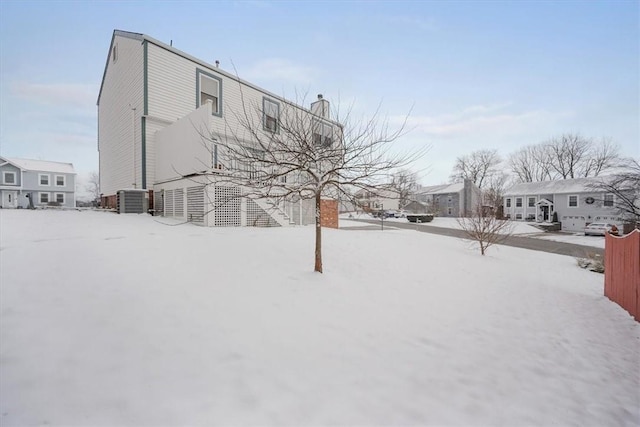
[(322, 125), (56, 198), (43, 193), (64, 181), (266, 100), (508, 202), (519, 198), (613, 200), (529, 204), (40, 175), (4, 178), (569, 201), (199, 74)]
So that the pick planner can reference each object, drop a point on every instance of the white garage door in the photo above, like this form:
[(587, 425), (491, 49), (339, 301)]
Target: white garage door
[(573, 223)]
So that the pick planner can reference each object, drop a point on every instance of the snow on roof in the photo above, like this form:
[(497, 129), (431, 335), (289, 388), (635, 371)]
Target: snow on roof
[(42, 165), (442, 189), (577, 185)]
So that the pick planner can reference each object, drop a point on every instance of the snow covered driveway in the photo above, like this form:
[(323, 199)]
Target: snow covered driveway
[(119, 320)]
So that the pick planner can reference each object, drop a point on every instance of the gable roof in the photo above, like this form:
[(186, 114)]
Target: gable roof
[(145, 38), (563, 186), (442, 189), (42, 165)]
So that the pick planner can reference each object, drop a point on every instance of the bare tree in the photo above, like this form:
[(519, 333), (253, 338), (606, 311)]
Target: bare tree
[(93, 185), (485, 229), (477, 166), (568, 154), (603, 156), (493, 193), (404, 183), (531, 163), (625, 188), (294, 154)]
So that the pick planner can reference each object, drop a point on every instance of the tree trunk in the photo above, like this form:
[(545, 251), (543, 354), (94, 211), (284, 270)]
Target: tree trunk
[(318, 266)]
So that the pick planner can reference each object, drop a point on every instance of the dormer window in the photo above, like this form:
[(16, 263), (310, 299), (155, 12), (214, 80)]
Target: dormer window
[(209, 89)]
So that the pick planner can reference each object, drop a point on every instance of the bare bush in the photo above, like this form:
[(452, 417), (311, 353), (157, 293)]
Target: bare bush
[(486, 230)]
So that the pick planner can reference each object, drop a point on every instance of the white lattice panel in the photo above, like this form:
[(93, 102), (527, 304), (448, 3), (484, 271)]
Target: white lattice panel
[(226, 206)]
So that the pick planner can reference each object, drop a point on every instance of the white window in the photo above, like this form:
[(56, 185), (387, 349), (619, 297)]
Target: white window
[(322, 134), (60, 198), (573, 201), (608, 200), (518, 202), (9, 177), (43, 179), (271, 113), (44, 197), (209, 90), (532, 202), (60, 181), (508, 203)]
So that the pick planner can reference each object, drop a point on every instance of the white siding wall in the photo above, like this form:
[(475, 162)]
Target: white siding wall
[(123, 86), (180, 149)]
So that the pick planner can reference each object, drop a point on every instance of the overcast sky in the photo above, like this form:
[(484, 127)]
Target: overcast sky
[(472, 75)]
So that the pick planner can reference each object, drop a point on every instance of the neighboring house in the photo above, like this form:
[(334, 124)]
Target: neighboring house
[(575, 201), (449, 200), (153, 105), (46, 183), (377, 199)]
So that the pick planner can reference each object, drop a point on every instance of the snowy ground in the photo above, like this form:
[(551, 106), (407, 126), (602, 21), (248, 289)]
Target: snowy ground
[(519, 228), (119, 320)]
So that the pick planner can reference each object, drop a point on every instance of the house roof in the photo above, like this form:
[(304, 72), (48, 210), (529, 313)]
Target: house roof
[(42, 165), (442, 189), (143, 37), (576, 185)]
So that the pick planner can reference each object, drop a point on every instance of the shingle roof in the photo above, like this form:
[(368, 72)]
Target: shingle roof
[(576, 185), (442, 189), (43, 166)]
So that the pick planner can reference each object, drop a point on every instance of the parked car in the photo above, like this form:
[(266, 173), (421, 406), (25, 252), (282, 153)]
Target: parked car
[(600, 229)]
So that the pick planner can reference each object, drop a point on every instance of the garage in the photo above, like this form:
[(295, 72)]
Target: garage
[(573, 223)]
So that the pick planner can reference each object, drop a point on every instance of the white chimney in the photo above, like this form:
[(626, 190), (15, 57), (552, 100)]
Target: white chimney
[(320, 107)]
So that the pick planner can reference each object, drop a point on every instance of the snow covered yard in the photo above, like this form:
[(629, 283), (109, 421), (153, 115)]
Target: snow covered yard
[(119, 320)]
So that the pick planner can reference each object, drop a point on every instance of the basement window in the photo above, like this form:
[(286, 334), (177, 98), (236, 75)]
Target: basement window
[(209, 88)]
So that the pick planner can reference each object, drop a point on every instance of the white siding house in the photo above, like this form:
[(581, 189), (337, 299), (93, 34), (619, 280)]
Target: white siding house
[(45, 183), (576, 202), (154, 103)]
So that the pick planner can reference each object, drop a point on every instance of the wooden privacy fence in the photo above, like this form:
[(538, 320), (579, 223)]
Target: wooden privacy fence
[(622, 271)]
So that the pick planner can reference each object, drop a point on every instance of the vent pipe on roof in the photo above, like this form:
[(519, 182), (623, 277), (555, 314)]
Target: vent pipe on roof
[(217, 64)]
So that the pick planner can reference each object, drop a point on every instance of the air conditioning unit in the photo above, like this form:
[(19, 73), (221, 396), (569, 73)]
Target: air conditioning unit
[(132, 201)]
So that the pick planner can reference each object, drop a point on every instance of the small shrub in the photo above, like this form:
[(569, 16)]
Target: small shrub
[(592, 262)]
